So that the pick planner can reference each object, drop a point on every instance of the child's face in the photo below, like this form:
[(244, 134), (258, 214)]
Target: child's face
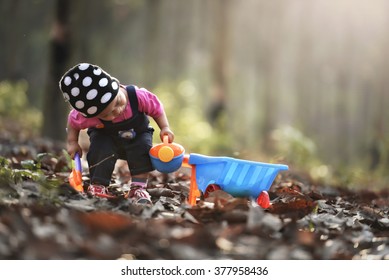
[(115, 108)]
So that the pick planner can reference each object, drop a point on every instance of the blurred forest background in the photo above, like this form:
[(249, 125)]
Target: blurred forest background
[(302, 82)]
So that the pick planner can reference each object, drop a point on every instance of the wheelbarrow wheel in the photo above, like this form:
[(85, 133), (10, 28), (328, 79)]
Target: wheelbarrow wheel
[(263, 200), (211, 188)]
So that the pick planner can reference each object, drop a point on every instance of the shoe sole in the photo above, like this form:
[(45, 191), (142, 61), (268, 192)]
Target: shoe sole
[(102, 195), (144, 201)]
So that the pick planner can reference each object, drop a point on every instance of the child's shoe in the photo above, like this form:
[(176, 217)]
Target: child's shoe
[(140, 195), (99, 191)]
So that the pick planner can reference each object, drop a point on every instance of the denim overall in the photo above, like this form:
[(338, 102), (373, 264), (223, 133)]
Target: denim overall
[(130, 140)]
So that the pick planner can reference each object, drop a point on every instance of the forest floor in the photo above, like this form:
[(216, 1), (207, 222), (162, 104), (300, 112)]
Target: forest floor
[(42, 218)]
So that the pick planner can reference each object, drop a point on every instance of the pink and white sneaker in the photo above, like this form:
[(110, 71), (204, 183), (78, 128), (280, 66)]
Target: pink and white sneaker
[(99, 191), (140, 195)]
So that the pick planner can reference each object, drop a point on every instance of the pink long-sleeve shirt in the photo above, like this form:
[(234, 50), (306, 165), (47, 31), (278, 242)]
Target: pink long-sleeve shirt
[(148, 103)]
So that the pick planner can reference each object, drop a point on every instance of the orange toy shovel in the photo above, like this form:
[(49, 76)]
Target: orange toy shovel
[(75, 177)]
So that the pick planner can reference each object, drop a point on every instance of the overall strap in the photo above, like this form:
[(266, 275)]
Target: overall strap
[(131, 92), (139, 121)]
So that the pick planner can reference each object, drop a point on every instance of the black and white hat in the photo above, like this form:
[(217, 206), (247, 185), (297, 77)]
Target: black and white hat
[(88, 89)]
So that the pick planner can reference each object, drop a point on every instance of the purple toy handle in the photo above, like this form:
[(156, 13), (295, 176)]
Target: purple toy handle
[(77, 162)]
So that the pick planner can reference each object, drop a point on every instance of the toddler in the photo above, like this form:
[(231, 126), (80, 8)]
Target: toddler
[(116, 117)]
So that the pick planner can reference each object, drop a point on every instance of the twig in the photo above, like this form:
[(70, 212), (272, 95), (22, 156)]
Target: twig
[(101, 161)]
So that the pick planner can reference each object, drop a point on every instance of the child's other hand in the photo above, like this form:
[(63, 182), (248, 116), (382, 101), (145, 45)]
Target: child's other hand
[(168, 132), (73, 148)]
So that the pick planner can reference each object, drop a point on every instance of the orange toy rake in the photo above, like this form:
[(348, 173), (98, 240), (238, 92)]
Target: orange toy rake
[(75, 177)]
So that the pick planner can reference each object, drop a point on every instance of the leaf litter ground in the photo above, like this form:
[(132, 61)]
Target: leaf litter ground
[(42, 218)]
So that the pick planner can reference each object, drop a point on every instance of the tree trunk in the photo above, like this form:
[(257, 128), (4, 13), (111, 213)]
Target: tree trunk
[(54, 107), (219, 63)]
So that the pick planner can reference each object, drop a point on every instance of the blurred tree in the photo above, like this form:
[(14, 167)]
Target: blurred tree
[(54, 108), (152, 38), (8, 55), (220, 55), (268, 62)]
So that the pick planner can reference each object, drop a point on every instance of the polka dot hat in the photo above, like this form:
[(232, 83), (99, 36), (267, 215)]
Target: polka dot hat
[(88, 89)]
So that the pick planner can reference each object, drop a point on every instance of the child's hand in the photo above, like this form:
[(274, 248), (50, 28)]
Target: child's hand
[(168, 132), (73, 147)]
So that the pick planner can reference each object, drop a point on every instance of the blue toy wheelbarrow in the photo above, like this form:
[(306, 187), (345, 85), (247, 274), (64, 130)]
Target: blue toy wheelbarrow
[(240, 178)]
